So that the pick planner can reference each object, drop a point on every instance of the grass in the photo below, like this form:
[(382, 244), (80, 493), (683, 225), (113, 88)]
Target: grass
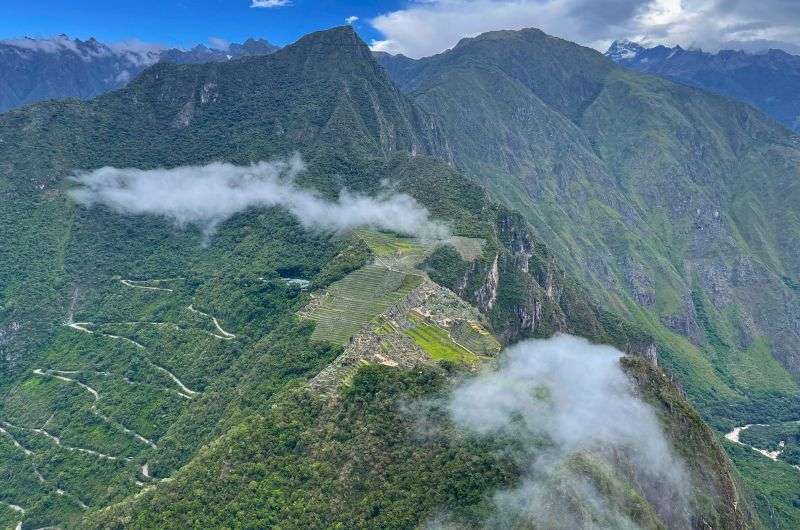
[(475, 338), (437, 343), (383, 244), (357, 299), (757, 369)]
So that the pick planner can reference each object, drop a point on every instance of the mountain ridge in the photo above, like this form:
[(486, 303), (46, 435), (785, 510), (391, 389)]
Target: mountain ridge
[(768, 80), (39, 69), (468, 77), (145, 299)]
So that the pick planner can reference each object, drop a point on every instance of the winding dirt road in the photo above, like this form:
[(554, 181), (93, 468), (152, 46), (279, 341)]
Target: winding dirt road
[(225, 335), (93, 408), (184, 390), (136, 284), (30, 454)]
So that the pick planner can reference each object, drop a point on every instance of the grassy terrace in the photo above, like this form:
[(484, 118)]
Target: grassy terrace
[(383, 244), (437, 343), (357, 299), (475, 338)]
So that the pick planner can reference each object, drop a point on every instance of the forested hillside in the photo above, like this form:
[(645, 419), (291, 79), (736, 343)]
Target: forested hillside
[(272, 368), (674, 206)]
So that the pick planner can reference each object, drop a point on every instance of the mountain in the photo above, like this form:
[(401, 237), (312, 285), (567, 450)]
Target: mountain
[(39, 69), (768, 80), (674, 206), (203, 54), (663, 198), (264, 373)]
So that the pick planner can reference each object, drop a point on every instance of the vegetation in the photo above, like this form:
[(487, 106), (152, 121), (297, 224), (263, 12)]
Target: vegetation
[(137, 387), (782, 437), (585, 166), (587, 162), (439, 345), (774, 486), (357, 299), (363, 462)]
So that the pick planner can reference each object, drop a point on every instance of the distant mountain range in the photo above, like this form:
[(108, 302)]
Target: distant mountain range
[(768, 80), (59, 67)]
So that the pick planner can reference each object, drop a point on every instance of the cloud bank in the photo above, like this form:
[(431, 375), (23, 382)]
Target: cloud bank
[(431, 26), (270, 4), (574, 395), (134, 51), (205, 196)]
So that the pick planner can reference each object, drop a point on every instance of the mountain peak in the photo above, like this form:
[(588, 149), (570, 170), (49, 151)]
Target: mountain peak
[(624, 49), (336, 36), (502, 35), (340, 41)]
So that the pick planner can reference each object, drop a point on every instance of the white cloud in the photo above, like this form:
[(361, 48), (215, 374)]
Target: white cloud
[(208, 195), (137, 52), (219, 43), (134, 51), (431, 26), (269, 4), (47, 45), (351, 20), (562, 399)]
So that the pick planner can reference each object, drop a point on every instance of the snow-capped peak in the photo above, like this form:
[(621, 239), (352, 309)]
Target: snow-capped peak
[(621, 50)]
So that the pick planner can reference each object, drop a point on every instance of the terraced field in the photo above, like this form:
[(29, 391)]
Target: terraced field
[(383, 244), (348, 305), (475, 338), (357, 299), (438, 344)]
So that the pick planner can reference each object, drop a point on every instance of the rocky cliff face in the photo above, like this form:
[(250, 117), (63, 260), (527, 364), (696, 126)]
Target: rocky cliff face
[(519, 285)]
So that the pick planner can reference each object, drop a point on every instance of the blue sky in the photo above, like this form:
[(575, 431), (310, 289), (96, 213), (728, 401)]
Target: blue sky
[(413, 27), (183, 22)]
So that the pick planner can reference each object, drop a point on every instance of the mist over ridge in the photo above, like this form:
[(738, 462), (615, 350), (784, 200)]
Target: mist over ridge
[(566, 400), (205, 196)]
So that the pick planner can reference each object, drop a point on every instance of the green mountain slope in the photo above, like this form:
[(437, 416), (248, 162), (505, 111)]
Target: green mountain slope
[(156, 377), (674, 206)]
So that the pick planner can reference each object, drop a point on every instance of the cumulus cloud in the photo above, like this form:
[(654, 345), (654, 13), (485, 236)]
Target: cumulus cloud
[(207, 195), (351, 20), (56, 44), (431, 26), (573, 395), (269, 4)]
